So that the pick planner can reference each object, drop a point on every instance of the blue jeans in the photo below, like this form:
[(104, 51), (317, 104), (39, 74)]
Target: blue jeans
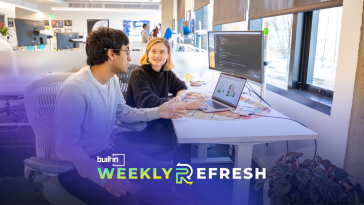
[(158, 190)]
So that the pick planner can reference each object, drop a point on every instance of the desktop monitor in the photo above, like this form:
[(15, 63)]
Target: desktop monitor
[(64, 40), (94, 24), (238, 53), (28, 32)]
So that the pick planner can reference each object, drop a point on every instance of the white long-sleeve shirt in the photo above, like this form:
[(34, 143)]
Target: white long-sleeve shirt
[(85, 115)]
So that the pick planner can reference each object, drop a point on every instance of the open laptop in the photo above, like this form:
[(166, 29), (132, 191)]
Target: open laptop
[(227, 93)]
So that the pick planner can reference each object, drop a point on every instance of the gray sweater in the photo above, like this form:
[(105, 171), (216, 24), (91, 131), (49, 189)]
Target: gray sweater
[(144, 36), (85, 115)]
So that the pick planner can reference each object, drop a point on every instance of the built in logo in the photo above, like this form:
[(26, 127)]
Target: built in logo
[(117, 159)]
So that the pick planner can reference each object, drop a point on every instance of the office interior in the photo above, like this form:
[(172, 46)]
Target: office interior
[(332, 110)]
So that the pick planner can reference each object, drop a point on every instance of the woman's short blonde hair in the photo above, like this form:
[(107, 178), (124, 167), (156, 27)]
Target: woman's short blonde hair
[(144, 59)]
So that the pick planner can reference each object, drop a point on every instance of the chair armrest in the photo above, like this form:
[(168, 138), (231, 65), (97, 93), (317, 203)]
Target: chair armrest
[(48, 165), (135, 126)]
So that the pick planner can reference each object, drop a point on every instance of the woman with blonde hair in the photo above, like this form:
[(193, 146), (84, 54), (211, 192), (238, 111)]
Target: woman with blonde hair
[(148, 87), (150, 83)]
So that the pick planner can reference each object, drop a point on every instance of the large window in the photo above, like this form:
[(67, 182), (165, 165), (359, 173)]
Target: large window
[(236, 26), (204, 15), (321, 34), (327, 46), (279, 48), (303, 50), (207, 22)]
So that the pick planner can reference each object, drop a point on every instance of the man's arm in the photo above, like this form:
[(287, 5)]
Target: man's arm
[(70, 112), (166, 111), (127, 114)]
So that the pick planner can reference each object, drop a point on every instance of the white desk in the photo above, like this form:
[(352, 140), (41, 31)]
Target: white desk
[(12, 89), (243, 134)]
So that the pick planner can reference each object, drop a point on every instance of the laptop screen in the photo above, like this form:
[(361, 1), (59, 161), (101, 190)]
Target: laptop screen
[(229, 89)]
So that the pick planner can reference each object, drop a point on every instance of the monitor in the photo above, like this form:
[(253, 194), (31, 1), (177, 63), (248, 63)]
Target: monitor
[(238, 53), (64, 40), (94, 24), (28, 32)]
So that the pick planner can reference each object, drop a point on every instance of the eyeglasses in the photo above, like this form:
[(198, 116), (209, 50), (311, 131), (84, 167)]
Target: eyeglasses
[(114, 49)]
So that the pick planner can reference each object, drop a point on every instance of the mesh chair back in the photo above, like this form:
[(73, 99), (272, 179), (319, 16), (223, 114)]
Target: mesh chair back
[(39, 99), (124, 78)]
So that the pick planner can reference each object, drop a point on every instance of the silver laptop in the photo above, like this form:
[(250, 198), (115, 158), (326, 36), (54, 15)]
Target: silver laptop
[(227, 93)]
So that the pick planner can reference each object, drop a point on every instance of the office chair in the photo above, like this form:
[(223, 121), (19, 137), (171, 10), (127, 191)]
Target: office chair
[(39, 99), (124, 78)]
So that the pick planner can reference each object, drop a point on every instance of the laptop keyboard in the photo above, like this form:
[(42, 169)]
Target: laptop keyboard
[(215, 105)]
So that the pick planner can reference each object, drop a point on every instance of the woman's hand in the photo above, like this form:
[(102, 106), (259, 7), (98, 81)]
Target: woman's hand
[(168, 111), (197, 104), (178, 98)]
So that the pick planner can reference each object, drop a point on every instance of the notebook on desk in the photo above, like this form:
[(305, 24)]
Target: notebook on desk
[(227, 93)]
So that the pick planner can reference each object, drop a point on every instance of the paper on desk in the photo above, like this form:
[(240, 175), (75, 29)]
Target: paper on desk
[(241, 112)]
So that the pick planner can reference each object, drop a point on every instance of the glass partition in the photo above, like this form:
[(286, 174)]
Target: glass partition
[(26, 67)]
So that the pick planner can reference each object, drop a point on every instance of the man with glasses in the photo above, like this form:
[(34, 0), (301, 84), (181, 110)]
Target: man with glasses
[(86, 107)]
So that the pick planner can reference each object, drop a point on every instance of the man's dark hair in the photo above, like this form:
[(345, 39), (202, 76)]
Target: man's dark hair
[(104, 38), (144, 25)]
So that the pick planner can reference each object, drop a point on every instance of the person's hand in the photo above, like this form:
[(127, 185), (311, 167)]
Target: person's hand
[(168, 111), (178, 98), (197, 104), (118, 187)]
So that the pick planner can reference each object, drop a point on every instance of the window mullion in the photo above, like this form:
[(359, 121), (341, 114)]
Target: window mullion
[(312, 48), (305, 52), (296, 47)]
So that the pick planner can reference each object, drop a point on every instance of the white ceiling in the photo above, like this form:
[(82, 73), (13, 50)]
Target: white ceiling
[(95, 1), (43, 1), (123, 1)]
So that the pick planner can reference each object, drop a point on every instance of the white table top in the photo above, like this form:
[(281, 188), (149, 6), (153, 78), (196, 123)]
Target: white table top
[(263, 129), (12, 89)]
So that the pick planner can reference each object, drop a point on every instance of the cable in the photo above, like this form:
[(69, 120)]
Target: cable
[(285, 119), (314, 157), (280, 118), (16, 125), (258, 95), (23, 119), (251, 89)]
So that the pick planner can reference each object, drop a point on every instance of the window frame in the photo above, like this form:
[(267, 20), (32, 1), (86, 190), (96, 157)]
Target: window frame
[(290, 53), (309, 43), (303, 51), (315, 97)]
